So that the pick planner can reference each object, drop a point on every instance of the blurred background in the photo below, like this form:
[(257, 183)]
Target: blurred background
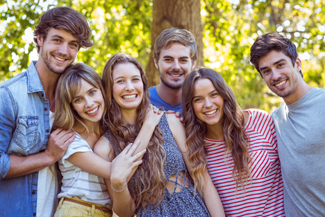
[(224, 31)]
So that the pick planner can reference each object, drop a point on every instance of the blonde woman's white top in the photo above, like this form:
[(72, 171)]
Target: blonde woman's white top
[(78, 183)]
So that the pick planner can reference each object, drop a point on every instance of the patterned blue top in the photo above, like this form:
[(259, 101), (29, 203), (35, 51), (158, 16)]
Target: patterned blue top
[(177, 204)]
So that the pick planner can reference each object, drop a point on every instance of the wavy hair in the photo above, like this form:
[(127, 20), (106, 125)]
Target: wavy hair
[(236, 140), (150, 176), (69, 84)]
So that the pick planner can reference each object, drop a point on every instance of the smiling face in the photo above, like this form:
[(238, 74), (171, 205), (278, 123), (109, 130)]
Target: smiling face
[(280, 75), (89, 103), (58, 50), (207, 103), (174, 64), (127, 86)]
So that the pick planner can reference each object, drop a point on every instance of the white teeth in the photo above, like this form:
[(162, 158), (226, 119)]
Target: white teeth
[(58, 58), (93, 111), (279, 84), (175, 75), (129, 97), (211, 112)]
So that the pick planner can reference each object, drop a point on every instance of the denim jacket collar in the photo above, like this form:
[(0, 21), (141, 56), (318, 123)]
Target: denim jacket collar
[(34, 83)]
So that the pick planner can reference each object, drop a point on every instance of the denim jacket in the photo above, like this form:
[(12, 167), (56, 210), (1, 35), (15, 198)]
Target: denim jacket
[(24, 130)]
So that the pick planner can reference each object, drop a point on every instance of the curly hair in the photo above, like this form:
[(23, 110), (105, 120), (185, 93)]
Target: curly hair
[(150, 176), (236, 140), (66, 19), (69, 84)]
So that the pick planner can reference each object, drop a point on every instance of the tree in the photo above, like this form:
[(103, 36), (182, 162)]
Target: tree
[(228, 30), (174, 13)]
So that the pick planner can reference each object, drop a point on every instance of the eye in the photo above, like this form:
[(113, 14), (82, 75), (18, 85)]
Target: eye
[(56, 40), (119, 81), (92, 92), (214, 94), (196, 100), (74, 45), (135, 79), (184, 61), (78, 100), (168, 59), (280, 65), (266, 71)]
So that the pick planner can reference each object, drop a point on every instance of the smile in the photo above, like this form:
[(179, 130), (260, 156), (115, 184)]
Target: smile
[(129, 96), (176, 75), (211, 112), (281, 83), (58, 58), (93, 111)]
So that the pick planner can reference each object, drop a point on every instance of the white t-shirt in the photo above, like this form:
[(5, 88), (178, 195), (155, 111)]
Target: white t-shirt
[(78, 183), (47, 188)]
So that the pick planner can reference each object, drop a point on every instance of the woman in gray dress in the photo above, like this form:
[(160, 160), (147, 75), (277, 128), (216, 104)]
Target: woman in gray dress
[(161, 185)]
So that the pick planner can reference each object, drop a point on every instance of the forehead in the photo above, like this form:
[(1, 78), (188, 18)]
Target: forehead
[(125, 69), (271, 58), (176, 50), (61, 33), (203, 86)]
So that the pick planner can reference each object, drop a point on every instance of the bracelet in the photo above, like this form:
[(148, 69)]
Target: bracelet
[(118, 191)]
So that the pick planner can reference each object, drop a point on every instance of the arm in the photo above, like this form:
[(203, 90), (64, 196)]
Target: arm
[(121, 168), (14, 166), (210, 194)]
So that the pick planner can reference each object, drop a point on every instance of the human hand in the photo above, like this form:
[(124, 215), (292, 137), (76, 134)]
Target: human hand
[(59, 141), (123, 164), (153, 116), (178, 115)]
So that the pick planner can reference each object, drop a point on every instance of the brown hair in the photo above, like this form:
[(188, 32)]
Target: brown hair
[(69, 84), (272, 41), (150, 176), (66, 19), (236, 140), (173, 35)]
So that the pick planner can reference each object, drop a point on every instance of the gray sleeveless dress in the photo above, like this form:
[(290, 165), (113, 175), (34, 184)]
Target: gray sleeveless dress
[(176, 204)]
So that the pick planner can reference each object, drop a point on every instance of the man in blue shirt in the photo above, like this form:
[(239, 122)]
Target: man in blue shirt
[(175, 54), (26, 101)]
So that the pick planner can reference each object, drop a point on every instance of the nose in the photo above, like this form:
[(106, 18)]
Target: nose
[(63, 50), (207, 103), (176, 66), (276, 75), (89, 102), (129, 86)]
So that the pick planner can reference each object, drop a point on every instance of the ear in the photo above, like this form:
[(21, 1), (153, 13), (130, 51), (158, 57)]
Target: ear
[(156, 62), (40, 40), (194, 62), (298, 64)]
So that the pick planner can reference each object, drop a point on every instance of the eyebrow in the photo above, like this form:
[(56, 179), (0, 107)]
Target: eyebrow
[(123, 77), (86, 92), (261, 69), (60, 37), (209, 93), (183, 57)]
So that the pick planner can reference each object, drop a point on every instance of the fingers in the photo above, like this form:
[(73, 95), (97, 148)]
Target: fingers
[(127, 148), (138, 155), (177, 114), (137, 163), (132, 149)]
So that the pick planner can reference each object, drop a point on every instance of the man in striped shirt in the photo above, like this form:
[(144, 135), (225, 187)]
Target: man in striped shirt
[(298, 122)]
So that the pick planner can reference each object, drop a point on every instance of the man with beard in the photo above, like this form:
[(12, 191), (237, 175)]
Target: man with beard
[(175, 54), (28, 149), (299, 124)]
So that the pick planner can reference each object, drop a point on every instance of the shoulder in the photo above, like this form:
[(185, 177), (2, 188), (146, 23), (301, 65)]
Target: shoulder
[(152, 90), (176, 128), (279, 112), (257, 114), (19, 82)]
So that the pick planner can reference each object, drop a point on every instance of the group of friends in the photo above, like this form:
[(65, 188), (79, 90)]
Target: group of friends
[(75, 144)]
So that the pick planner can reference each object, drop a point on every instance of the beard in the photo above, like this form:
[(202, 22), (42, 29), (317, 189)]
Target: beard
[(51, 66), (175, 85)]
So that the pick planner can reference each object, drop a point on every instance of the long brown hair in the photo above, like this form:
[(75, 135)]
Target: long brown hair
[(236, 140), (150, 176), (69, 83)]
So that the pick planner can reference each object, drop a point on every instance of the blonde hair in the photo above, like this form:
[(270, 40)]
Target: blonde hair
[(69, 84), (173, 35)]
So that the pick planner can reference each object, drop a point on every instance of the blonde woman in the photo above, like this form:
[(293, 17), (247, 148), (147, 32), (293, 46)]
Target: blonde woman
[(80, 106)]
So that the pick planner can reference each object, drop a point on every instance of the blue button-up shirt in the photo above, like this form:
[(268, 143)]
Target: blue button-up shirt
[(24, 130)]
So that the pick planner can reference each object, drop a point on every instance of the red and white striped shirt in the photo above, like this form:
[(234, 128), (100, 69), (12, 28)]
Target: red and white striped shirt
[(263, 195)]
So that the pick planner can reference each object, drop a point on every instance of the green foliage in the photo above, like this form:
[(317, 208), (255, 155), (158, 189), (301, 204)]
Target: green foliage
[(229, 29)]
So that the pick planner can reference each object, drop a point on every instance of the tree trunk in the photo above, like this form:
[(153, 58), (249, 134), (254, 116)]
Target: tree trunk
[(179, 14)]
